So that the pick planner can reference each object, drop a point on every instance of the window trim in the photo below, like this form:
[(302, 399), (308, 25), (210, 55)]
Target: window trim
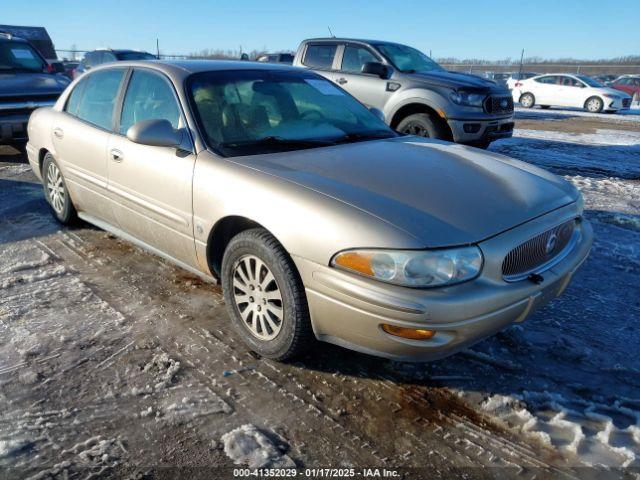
[(337, 56), (186, 142), (87, 76), (364, 47)]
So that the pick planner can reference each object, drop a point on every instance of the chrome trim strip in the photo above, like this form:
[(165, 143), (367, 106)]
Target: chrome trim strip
[(573, 241), (27, 105)]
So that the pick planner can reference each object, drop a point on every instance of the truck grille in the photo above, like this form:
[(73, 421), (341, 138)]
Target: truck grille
[(498, 104), (537, 252)]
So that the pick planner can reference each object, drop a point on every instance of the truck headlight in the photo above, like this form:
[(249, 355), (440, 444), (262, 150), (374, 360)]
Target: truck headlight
[(461, 97), (413, 268)]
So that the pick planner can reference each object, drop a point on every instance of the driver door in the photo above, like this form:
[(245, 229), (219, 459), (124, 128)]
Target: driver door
[(151, 186)]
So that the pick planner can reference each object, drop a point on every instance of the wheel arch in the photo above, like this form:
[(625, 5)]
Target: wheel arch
[(41, 154), (417, 107)]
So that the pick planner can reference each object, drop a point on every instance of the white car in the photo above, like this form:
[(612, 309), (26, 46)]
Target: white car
[(516, 77), (564, 90)]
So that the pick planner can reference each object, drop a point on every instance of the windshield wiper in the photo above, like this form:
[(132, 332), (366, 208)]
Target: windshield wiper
[(276, 141), (358, 137)]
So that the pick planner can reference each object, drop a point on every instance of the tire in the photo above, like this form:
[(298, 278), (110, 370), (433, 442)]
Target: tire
[(527, 100), (423, 125), (544, 107), (56, 193), (594, 105), (271, 318)]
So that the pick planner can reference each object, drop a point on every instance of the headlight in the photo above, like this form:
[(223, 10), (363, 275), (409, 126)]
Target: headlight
[(610, 95), (413, 268), (466, 98)]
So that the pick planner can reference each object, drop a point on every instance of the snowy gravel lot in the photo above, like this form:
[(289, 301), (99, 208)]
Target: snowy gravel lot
[(115, 363)]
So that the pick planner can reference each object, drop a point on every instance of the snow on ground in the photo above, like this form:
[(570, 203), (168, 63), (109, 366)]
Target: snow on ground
[(622, 116), (246, 445)]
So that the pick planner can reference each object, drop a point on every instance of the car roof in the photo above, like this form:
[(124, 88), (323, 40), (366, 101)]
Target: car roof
[(343, 39), (180, 69)]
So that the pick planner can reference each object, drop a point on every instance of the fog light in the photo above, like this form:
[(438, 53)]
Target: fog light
[(411, 333), (471, 127)]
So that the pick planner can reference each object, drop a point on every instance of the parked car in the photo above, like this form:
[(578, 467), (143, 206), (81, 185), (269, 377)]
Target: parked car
[(516, 77), (98, 57), (316, 217), (276, 58), (629, 84), (414, 93), (498, 77), (70, 67), (605, 79), (27, 82), (564, 90)]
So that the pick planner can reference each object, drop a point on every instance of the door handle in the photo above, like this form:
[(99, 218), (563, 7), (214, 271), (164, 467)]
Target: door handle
[(116, 155), (58, 132), (342, 80)]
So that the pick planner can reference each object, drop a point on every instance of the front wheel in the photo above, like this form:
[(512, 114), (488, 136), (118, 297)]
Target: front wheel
[(265, 296), (56, 193), (527, 100), (594, 105), (422, 125)]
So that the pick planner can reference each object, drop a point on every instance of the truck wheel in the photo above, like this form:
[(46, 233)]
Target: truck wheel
[(422, 125), (527, 100), (56, 193), (265, 296), (594, 104)]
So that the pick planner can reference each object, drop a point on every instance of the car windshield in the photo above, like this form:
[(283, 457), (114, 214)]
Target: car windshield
[(407, 59), (249, 112), (590, 81), (19, 56), (135, 56)]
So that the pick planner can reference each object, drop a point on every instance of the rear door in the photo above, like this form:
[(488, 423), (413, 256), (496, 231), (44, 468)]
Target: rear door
[(369, 89), (321, 57), (151, 186), (80, 136), (545, 90)]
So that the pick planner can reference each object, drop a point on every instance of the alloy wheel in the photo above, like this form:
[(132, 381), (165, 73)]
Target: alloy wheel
[(414, 128), (594, 105), (56, 189), (257, 297)]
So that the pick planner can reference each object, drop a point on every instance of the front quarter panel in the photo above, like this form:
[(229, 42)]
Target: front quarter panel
[(307, 223)]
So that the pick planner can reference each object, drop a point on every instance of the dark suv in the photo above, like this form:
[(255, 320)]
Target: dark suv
[(28, 82), (98, 57)]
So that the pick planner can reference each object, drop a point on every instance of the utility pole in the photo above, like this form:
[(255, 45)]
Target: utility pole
[(521, 60), (158, 49)]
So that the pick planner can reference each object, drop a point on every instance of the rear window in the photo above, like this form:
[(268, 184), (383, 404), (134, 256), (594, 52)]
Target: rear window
[(135, 56), (319, 56), (19, 56)]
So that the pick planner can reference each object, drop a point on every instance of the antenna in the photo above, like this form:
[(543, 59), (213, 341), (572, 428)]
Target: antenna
[(158, 49), (330, 32)]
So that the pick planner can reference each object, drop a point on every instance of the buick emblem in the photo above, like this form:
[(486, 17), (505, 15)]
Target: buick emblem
[(551, 243)]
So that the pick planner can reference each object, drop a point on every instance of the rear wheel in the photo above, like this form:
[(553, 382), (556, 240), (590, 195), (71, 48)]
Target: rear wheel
[(527, 100), (594, 105), (56, 193), (265, 296), (423, 125)]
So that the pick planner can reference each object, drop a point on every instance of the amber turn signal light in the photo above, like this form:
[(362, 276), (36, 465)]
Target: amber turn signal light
[(411, 333)]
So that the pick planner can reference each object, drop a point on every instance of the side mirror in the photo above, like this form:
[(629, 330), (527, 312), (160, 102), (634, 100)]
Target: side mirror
[(376, 68), (157, 133), (378, 113)]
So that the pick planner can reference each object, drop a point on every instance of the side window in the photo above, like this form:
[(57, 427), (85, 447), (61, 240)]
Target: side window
[(319, 55), (149, 97), (99, 97), (108, 57), (73, 102), (355, 57)]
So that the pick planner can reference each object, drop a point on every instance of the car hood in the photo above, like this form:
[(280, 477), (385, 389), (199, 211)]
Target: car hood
[(31, 84), (442, 194), (613, 91), (457, 80)]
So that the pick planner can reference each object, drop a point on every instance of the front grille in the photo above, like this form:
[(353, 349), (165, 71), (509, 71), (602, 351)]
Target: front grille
[(626, 102), (537, 252), (498, 104)]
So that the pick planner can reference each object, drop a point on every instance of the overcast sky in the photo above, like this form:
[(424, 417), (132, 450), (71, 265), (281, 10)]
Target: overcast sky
[(465, 29)]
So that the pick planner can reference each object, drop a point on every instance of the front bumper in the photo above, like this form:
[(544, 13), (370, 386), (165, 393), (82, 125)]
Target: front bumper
[(13, 127), (348, 310), (471, 131)]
